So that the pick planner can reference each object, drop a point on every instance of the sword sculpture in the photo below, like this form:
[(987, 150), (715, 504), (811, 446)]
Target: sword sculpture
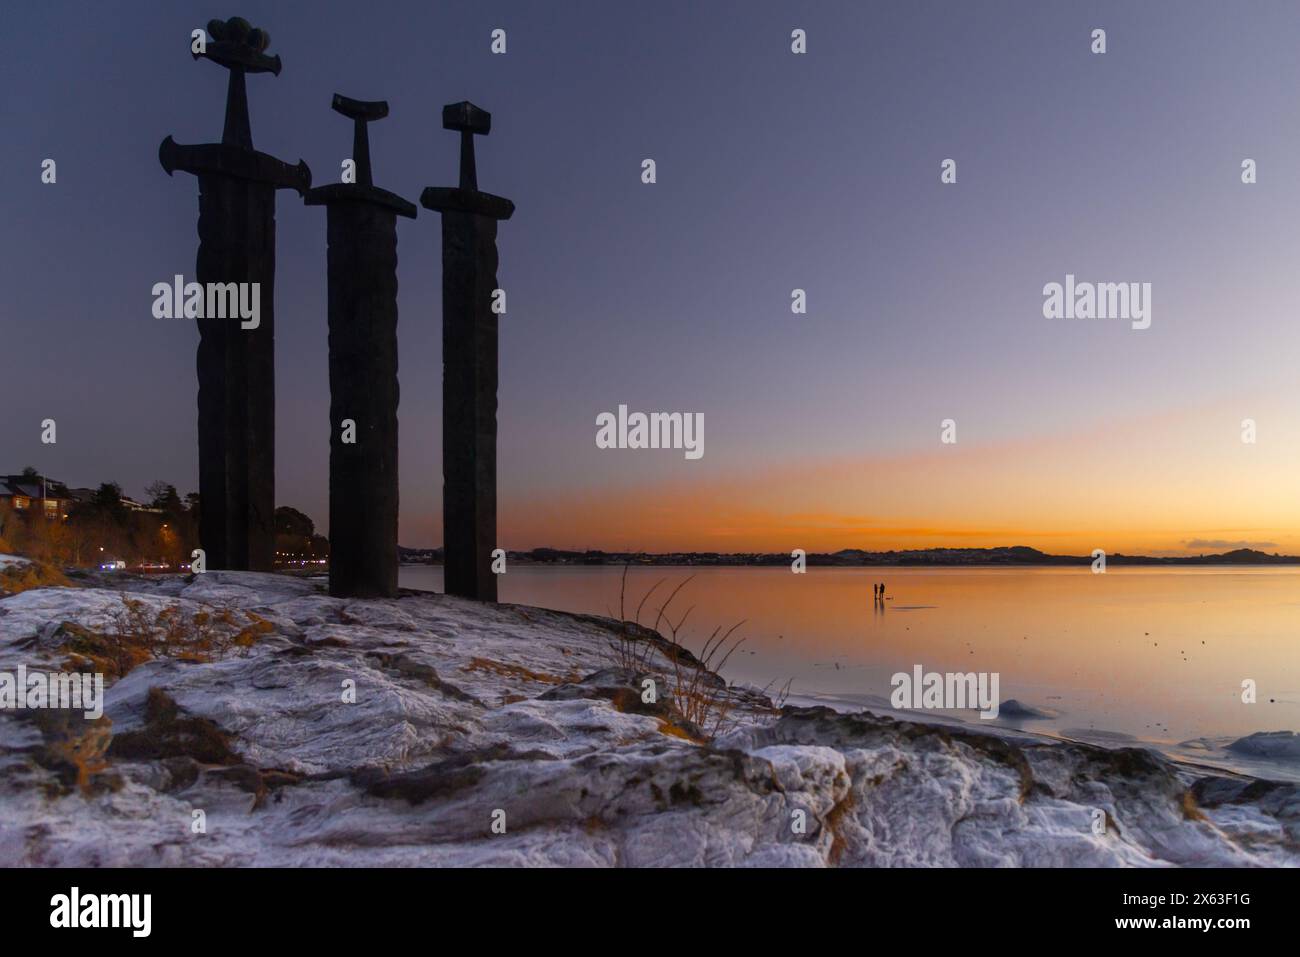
[(236, 366), (362, 264), (469, 364)]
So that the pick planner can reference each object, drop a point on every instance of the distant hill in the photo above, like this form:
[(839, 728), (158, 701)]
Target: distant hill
[(851, 557)]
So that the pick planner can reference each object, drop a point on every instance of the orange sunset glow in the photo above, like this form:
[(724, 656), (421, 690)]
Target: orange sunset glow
[(1179, 483)]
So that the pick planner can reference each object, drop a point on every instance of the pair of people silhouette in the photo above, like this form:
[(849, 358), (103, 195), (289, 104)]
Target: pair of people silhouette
[(878, 591)]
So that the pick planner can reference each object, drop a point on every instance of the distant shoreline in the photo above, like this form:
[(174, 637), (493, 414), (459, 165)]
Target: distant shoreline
[(1008, 557)]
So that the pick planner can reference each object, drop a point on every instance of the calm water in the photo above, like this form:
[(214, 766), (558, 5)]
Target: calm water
[(1153, 653)]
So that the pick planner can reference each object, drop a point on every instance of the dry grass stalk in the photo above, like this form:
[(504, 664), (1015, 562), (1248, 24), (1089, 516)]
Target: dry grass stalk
[(697, 692)]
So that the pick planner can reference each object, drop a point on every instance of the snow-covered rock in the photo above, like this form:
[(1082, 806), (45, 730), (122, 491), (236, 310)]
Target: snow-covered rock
[(1284, 745), (1019, 711), (428, 730)]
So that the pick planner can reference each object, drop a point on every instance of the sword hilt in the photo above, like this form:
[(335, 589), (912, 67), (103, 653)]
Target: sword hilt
[(361, 112), (471, 122), (240, 48)]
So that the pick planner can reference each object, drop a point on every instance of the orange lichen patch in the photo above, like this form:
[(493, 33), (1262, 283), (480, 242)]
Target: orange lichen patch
[(511, 671), (73, 747), (833, 819), (512, 698), (675, 731), (625, 700), (31, 574), (255, 629), (1190, 811)]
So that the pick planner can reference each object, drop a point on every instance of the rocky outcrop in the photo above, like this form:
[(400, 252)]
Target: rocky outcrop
[(426, 730)]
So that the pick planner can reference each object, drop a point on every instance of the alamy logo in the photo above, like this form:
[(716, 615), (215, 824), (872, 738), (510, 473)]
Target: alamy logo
[(103, 910), (654, 430), (1102, 300), (952, 691), (218, 300), (40, 689)]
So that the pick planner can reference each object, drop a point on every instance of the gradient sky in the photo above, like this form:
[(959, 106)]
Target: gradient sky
[(775, 171)]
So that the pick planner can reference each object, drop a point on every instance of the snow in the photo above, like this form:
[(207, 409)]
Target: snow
[(1018, 710), (1283, 745), (464, 711)]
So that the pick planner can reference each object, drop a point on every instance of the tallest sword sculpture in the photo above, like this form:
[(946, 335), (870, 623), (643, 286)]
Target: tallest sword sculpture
[(236, 361), (469, 364)]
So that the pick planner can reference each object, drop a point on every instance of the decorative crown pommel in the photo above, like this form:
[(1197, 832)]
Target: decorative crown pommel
[(237, 43)]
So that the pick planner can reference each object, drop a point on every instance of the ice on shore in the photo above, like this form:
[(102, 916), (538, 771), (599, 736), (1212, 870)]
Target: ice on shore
[(507, 735)]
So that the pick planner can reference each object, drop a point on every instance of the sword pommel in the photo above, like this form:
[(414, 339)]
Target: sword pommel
[(364, 110), (465, 117), (236, 45)]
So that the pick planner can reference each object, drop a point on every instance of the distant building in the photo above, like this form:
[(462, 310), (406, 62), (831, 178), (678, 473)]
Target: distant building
[(54, 498), (81, 496), (23, 493), (132, 505)]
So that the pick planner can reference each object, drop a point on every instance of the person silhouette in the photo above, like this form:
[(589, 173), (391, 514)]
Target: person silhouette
[(882, 591)]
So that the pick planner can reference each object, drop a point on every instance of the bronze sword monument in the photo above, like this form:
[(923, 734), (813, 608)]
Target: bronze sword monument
[(362, 266), (469, 364), (236, 366)]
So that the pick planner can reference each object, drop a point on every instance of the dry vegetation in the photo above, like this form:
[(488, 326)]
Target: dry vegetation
[(696, 691), (30, 574), (141, 632), (77, 749)]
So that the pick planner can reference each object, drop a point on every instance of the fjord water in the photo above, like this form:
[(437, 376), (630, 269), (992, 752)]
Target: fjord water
[(1155, 654)]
